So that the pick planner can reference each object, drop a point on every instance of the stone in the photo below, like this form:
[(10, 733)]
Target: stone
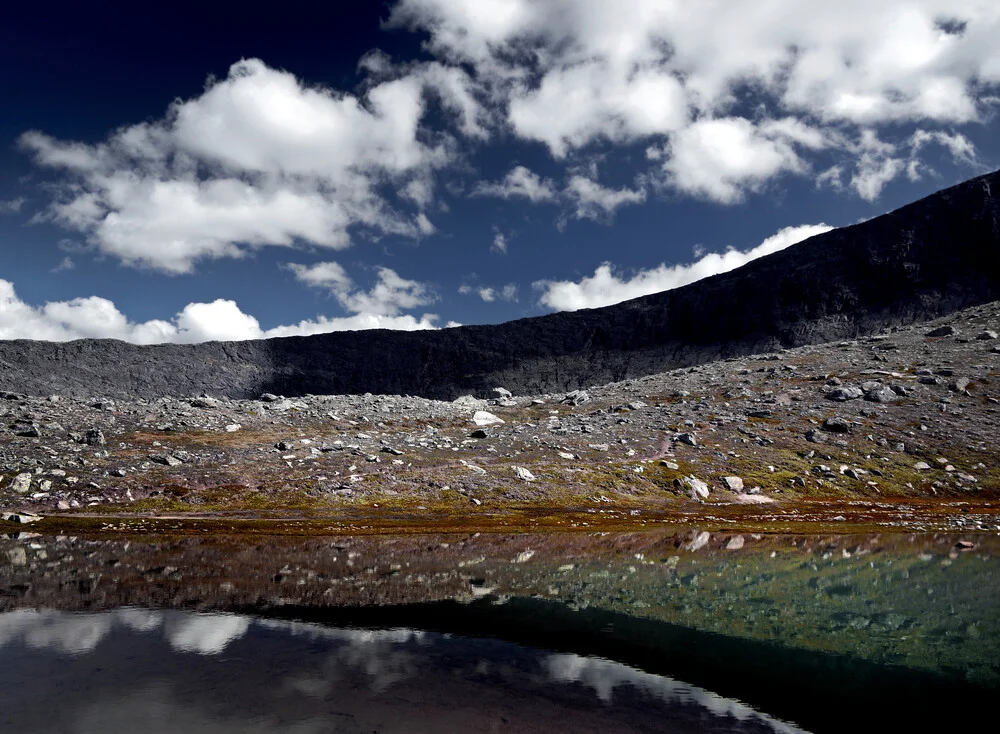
[(167, 459), (233, 427), (836, 424), (17, 556), (269, 397), (22, 518), (21, 483), (948, 330), (815, 436), (577, 397), (882, 395), (843, 394), (503, 393), (479, 433), (687, 438), (669, 465), (735, 543), (28, 430), (960, 385), (485, 418), (524, 474), (95, 437), (698, 541), (733, 484), (987, 335), (697, 488), (204, 402), (922, 466)]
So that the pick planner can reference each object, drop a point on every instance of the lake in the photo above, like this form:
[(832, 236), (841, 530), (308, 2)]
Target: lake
[(673, 630)]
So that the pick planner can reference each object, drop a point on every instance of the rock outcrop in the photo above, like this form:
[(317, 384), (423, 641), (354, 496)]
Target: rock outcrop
[(925, 260)]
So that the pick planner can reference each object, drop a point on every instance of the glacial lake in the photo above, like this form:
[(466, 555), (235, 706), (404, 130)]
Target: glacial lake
[(673, 631)]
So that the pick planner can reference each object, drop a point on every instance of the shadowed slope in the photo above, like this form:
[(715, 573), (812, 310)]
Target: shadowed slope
[(922, 261)]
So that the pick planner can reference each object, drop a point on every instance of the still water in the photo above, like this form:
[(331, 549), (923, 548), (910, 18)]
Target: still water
[(643, 632)]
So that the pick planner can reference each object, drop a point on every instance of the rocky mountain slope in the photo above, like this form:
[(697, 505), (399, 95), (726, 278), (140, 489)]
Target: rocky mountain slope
[(890, 431), (922, 261)]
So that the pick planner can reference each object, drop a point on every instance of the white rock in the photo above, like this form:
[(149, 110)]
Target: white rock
[(21, 483), (233, 427), (733, 484), (485, 418), (524, 474)]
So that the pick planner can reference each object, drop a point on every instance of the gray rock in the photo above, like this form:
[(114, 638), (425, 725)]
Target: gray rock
[(687, 438), (503, 393), (269, 398), (697, 488), (922, 466), (882, 395), (987, 335), (479, 433), (733, 484), (960, 385), (836, 424), (948, 330), (577, 397), (28, 430), (95, 437), (21, 483), (167, 459), (815, 436), (843, 394), (521, 473)]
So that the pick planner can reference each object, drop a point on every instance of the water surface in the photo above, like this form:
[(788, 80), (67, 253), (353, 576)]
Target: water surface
[(666, 631)]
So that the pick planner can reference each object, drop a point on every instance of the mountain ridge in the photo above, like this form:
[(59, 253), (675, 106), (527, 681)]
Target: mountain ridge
[(929, 258)]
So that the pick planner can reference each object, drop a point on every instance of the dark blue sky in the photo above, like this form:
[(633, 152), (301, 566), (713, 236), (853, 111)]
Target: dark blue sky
[(647, 146)]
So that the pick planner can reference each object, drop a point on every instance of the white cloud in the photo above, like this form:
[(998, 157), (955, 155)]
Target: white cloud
[(520, 182), (606, 102), (499, 242), (390, 294), (604, 287), (597, 202), (571, 73), (490, 294), (721, 159), (221, 320), (259, 159), (11, 206)]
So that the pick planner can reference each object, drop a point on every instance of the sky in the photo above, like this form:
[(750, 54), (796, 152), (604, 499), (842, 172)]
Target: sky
[(183, 174)]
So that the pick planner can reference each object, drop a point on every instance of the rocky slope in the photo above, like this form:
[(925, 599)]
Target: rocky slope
[(868, 428), (923, 261)]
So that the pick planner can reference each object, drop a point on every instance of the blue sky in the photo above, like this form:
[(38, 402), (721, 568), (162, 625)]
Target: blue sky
[(226, 174)]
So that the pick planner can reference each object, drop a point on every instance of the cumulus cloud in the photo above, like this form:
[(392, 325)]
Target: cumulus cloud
[(499, 242), (11, 206), (490, 294), (722, 159), (594, 201), (221, 320), (258, 159), (390, 294), (573, 73), (521, 183), (605, 287)]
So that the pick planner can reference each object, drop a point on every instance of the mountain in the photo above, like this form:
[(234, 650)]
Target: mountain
[(927, 259)]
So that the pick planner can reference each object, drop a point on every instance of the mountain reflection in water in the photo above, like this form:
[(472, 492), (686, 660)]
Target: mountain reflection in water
[(455, 632), (134, 670)]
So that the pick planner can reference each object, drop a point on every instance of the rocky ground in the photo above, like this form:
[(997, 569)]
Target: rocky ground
[(898, 429)]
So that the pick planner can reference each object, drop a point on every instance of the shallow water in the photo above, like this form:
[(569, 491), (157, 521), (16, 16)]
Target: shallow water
[(666, 631)]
